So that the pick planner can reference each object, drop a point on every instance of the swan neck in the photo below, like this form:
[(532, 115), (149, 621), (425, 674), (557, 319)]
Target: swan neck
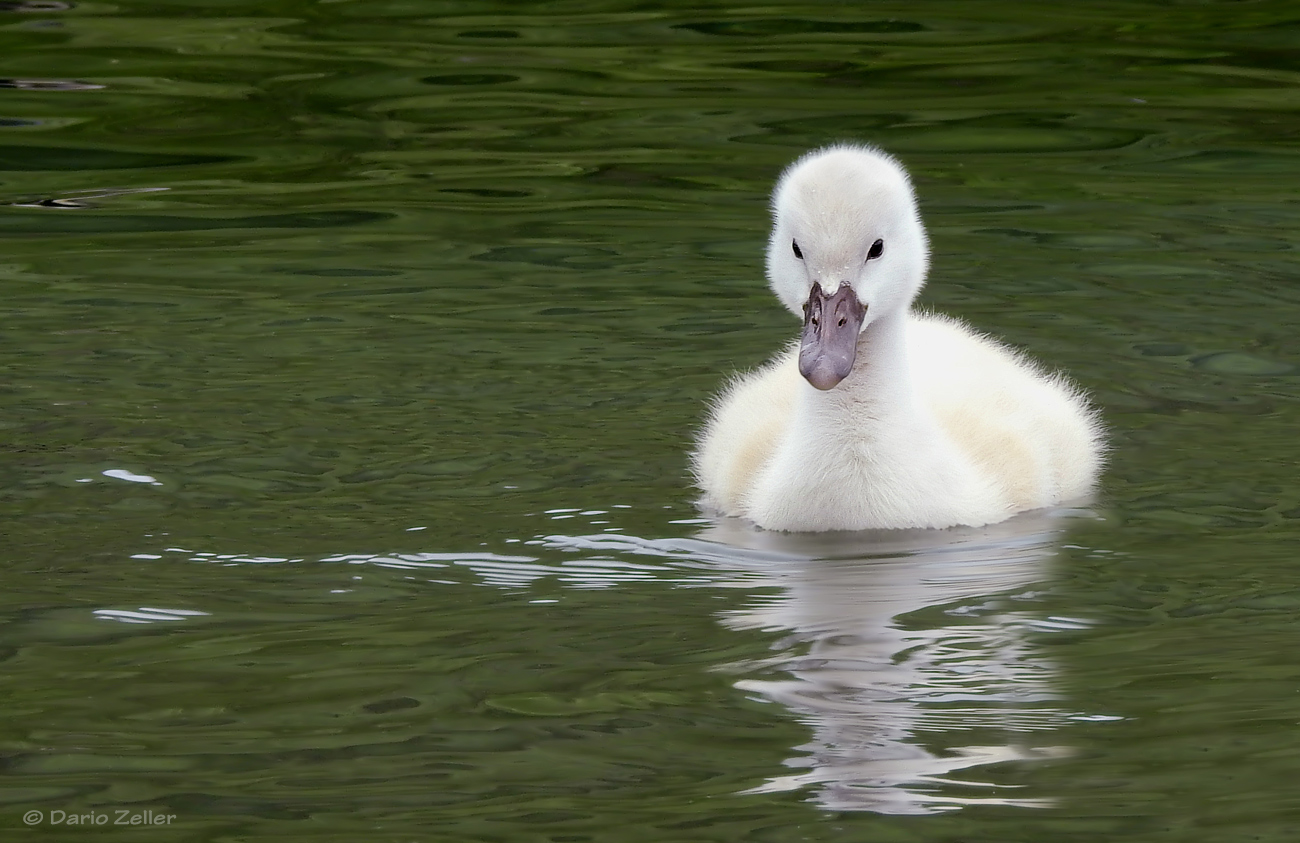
[(880, 367)]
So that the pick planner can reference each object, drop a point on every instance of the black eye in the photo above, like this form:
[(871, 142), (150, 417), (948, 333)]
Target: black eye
[(877, 249), (798, 254)]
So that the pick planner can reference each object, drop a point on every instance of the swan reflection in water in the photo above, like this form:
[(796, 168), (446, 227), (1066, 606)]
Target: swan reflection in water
[(907, 655)]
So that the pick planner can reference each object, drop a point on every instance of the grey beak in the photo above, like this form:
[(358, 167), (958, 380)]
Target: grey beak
[(830, 335)]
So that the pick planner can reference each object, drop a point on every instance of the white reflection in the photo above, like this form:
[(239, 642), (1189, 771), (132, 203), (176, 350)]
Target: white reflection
[(906, 653), (907, 657), (130, 477), (146, 614)]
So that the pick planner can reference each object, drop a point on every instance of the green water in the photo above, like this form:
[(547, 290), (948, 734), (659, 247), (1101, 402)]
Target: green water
[(350, 356)]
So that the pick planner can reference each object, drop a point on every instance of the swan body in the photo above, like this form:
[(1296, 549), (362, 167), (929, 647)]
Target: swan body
[(882, 417)]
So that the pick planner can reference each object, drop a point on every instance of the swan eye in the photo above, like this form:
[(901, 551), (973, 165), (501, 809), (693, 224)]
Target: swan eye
[(877, 249), (798, 254)]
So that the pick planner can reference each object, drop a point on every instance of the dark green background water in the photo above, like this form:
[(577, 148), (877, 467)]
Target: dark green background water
[(350, 356)]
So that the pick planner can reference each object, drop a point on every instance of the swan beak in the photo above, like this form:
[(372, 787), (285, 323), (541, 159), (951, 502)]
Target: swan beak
[(830, 335)]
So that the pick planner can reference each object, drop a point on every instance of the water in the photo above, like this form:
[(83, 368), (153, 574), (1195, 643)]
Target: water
[(351, 354)]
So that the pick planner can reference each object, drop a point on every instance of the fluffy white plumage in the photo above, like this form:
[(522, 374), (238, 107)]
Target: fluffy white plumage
[(934, 425)]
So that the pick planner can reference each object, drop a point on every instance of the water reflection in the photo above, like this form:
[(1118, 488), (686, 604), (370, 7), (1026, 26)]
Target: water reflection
[(907, 657), (907, 654)]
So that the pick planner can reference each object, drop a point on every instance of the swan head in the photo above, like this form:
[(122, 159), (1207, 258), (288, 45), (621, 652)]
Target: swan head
[(847, 248)]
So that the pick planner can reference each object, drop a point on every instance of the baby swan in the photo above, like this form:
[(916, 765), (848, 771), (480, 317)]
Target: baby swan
[(883, 417)]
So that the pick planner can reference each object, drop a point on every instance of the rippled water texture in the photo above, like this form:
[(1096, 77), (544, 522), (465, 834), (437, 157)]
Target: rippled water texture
[(351, 353)]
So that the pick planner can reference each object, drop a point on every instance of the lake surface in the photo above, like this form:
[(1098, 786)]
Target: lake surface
[(352, 352)]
